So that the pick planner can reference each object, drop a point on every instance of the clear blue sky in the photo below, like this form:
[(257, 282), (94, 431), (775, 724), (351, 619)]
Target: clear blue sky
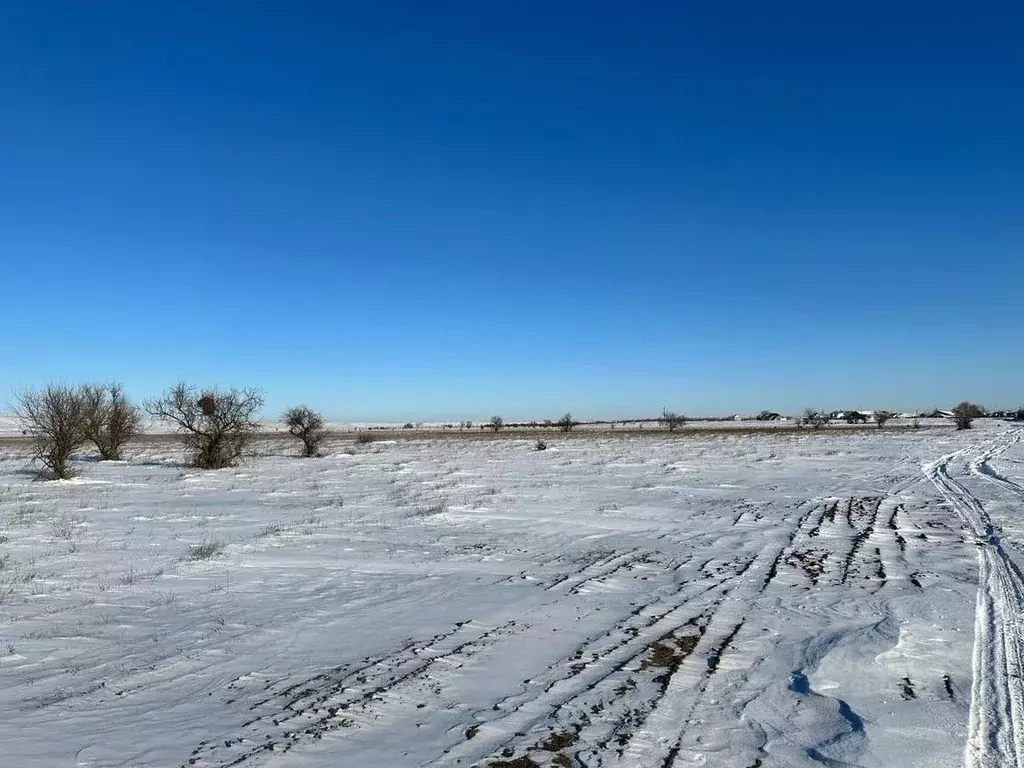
[(454, 209)]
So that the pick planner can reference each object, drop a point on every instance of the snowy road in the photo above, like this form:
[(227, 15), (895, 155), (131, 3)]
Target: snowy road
[(771, 600)]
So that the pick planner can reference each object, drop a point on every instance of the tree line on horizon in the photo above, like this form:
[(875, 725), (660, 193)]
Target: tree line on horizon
[(218, 424)]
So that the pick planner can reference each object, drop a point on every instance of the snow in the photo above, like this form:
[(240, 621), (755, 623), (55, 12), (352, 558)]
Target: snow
[(713, 599), (9, 426)]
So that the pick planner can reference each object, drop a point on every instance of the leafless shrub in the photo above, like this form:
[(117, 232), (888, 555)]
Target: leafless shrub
[(916, 423), (881, 417), (815, 418), (541, 445), (110, 421), (566, 423), (217, 424), (54, 417), (307, 425), (965, 413), (364, 438), (497, 423), (672, 420)]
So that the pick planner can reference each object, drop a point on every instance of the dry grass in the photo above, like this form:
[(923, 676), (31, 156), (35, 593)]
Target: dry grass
[(205, 550), (692, 429)]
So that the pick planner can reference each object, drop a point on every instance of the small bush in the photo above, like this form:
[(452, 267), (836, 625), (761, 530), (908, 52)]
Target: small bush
[(965, 413), (204, 551), (672, 420), (110, 421), (55, 418), (566, 423), (217, 425), (541, 445), (308, 426), (496, 423), (814, 418), (881, 417), (362, 438)]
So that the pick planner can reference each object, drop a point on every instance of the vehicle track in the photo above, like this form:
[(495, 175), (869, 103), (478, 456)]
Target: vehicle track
[(981, 467), (575, 704), (996, 724), (584, 683), (287, 713), (309, 708)]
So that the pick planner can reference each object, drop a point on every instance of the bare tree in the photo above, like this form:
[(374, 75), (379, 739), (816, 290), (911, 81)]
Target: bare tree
[(965, 413), (815, 418), (217, 424), (110, 421), (566, 423), (881, 417), (497, 423), (307, 425), (54, 417), (672, 420)]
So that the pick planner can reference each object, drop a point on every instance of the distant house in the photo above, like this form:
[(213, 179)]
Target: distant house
[(852, 417), (768, 416), (938, 414)]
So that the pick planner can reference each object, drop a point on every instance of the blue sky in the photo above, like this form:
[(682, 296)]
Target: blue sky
[(455, 209)]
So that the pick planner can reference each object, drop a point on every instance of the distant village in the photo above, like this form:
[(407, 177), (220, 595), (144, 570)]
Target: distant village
[(866, 416), (674, 420)]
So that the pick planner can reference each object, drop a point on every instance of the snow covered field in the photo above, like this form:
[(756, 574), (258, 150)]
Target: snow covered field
[(708, 600)]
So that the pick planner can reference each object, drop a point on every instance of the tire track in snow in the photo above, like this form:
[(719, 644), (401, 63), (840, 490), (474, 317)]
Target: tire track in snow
[(658, 741), (860, 515), (310, 708), (981, 467), (594, 664), (596, 565), (996, 725)]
